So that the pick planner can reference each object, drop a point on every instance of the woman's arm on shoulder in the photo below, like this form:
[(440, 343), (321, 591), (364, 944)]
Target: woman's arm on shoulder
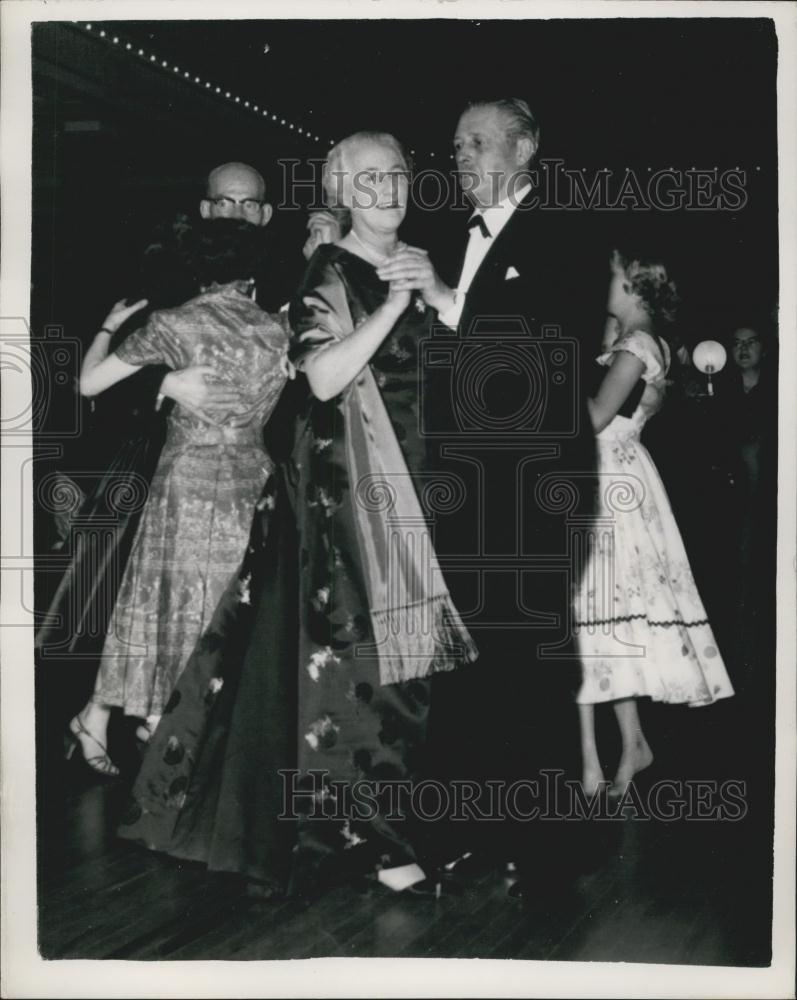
[(101, 370)]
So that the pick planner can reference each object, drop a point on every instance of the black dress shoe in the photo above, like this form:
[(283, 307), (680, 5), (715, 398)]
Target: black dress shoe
[(469, 865), (429, 888)]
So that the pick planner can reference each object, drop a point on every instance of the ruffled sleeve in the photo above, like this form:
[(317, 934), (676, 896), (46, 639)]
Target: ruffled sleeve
[(320, 305), (155, 343), (654, 354)]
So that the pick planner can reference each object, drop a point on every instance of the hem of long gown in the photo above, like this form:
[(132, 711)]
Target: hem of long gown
[(136, 711), (200, 857)]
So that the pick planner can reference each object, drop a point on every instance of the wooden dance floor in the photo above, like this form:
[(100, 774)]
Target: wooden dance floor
[(651, 891)]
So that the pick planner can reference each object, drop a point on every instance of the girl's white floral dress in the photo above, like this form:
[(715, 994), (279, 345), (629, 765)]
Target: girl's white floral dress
[(640, 625)]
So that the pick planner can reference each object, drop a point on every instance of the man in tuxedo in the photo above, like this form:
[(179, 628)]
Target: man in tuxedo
[(505, 417)]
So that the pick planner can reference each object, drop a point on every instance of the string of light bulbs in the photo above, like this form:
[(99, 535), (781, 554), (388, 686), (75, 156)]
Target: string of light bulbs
[(152, 59), (207, 85)]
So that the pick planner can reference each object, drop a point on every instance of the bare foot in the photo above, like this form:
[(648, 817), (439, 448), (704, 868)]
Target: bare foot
[(630, 765), (592, 780)]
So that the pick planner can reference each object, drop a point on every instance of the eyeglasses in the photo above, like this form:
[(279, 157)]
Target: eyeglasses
[(249, 205), (735, 344)]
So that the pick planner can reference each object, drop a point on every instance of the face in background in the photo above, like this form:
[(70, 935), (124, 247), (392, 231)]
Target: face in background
[(746, 349), (376, 186), (236, 191), (486, 157)]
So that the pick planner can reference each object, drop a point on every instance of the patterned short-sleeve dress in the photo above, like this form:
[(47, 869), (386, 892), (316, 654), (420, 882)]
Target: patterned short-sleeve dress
[(640, 625), (194, 528)]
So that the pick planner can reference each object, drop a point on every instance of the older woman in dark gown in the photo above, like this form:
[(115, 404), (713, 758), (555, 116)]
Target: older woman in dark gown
[(313, 674)]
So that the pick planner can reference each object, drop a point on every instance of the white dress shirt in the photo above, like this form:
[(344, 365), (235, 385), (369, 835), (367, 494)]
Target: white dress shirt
[(495, 218)]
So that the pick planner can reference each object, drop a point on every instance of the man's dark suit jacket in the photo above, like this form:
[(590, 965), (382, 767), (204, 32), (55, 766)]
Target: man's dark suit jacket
[(505, 396), (534, 310)]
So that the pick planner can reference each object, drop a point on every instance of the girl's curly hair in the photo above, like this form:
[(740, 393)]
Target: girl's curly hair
[(647, 275)]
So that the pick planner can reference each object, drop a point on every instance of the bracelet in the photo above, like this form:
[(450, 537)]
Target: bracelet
[(104, 329)]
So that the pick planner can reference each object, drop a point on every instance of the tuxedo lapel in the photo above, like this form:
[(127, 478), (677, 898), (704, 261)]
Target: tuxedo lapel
[(505, 267)]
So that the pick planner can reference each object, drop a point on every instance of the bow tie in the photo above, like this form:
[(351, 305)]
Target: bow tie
[(477, 220)]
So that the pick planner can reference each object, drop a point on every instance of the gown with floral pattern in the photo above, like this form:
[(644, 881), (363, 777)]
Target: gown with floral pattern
[(640, 625), (279, 712), (193, 531)]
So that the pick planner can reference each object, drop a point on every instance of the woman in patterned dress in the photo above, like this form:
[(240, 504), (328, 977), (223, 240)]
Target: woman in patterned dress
[(312, 681), (640, 626), (193, 531)]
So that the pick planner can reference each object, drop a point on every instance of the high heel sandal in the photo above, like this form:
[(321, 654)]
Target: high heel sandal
[(100, 763)]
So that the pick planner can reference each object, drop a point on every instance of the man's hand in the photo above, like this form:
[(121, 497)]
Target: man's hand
[(324, 228), (410, 269), (191, 389), (287, 367), (309, 336)]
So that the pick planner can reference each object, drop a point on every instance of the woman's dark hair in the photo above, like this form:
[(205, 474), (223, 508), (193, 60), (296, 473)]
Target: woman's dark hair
[(183, 256), (165, 277), (225, 250)]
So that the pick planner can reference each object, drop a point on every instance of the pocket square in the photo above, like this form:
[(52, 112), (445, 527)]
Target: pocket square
[(511, 272)]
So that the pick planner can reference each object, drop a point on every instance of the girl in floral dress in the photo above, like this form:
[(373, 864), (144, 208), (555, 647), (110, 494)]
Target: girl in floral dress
[(640, 626)]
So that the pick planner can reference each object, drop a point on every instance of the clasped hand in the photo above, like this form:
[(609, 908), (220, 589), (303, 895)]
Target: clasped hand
[(410, 269)]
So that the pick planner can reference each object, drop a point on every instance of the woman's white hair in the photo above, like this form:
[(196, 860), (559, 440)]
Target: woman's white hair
[(337, 171)]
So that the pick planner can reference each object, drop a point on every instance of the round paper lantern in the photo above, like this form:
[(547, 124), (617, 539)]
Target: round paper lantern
[(709, 357)]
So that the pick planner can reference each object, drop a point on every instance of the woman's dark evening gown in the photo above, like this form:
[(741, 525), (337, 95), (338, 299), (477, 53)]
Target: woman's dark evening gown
[(277, 683)]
